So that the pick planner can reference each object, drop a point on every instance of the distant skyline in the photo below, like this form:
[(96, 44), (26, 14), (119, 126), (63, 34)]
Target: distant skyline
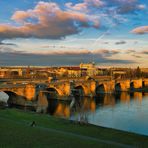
[(68, 32)]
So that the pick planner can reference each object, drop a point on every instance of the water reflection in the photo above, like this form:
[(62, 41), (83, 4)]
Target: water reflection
[(62, 110), (125, 111)]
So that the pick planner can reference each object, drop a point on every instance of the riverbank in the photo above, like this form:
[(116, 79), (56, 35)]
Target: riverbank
[(53, 132)]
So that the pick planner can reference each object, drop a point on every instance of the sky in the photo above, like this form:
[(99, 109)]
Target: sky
[(69, 32)]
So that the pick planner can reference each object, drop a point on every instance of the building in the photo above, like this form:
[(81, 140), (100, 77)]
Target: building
[(88, 69), (69, 71), (7, 72)]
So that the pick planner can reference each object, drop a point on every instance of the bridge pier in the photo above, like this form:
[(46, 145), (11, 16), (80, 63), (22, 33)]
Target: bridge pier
[(105, 87), (145, 82), (42, 103), (122, 85), (136, 84), (29, 92)]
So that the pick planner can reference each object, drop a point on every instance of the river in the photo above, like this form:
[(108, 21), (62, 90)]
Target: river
[(123, 111)]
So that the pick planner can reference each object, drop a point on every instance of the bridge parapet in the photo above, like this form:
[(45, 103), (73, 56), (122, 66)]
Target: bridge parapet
[(64, 87), (27, 91)]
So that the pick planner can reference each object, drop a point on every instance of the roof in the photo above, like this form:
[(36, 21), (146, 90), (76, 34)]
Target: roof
[(71, 68)]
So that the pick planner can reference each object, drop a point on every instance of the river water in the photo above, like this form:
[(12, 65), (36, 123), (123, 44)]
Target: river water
[(124, 111), (129, 113)]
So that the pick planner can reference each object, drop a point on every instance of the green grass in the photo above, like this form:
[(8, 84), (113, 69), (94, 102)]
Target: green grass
[(15, 131)]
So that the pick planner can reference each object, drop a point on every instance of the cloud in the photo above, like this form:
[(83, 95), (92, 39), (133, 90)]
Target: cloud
[(57, 58), (100, 52), (105, 52), (135, 53), (120, 6), (63, 51), (47, 20), (77, 7), (126, 6), (137, 56), (85, 5), (110, 12), (7, 49), (95, 3), (105, 42), (140, 30), (130, 51), (120, 42), (144, 52), (4, 49), (7, 44)]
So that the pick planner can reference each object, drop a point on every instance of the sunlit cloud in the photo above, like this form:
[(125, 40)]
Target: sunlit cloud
[(69, 32), (47, 20), (12, 57), (140, 30)]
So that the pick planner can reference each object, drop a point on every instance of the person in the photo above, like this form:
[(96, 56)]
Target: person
[(33, 124)]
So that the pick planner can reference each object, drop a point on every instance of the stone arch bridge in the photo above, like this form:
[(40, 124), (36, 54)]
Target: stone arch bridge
[(30, 91), (94, 87)]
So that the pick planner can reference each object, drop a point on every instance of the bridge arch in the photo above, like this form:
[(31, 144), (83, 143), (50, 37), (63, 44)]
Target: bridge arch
[(100, 89), (53, 93), (132, 86), (52, 99), (46, 103), (79, 91), (118, 87), (143, 84), (15, 99)]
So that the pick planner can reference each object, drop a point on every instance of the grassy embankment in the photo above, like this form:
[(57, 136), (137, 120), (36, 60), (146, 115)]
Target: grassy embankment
[(16, 132)]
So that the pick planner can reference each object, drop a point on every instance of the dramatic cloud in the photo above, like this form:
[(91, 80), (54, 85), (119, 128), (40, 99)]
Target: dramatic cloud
[(140, 30), (82, 52), (58, 58), (47, 20), (109, 12), (118, 6)]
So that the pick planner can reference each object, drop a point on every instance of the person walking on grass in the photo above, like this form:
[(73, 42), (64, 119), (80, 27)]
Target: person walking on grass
[(33, 124)]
